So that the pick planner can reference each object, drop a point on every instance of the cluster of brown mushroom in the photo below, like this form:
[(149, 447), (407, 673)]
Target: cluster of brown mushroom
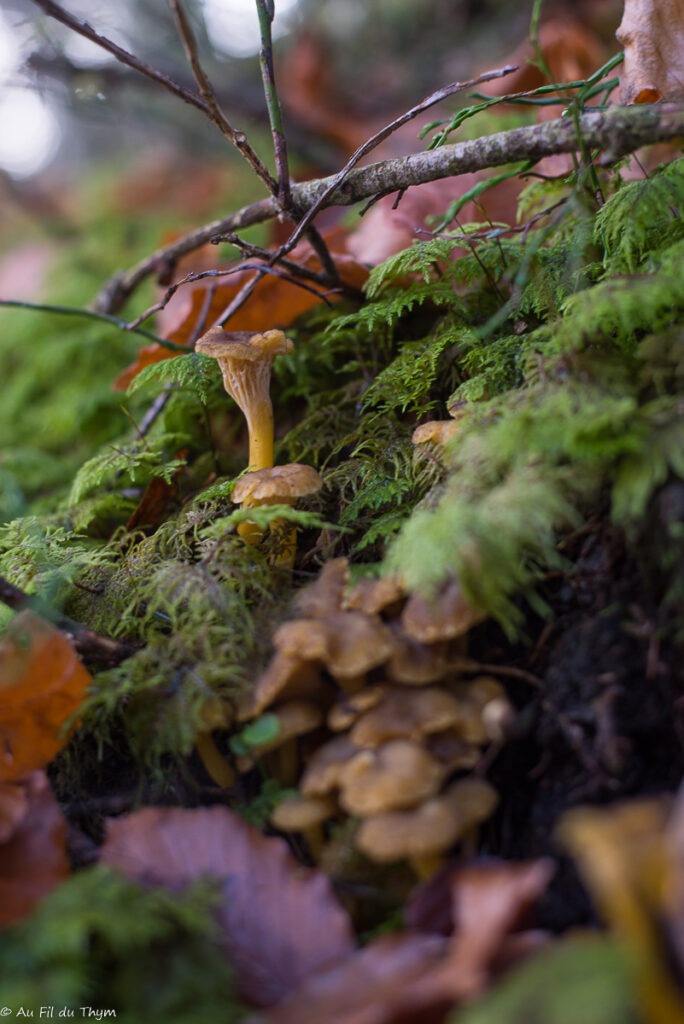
[(246, 359), (373, 692)]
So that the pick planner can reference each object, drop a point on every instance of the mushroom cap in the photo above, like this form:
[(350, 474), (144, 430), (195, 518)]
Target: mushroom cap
[(347, 643), (437, 432), (243, 346), (373, 596), (448, 614), (398, 774), (488, 699), (429, 829), (285, 678), (414, 663), (296, 813), (325, 594), (350, 707), (277, 485), (295, 718), (326, 765), (411, 714)]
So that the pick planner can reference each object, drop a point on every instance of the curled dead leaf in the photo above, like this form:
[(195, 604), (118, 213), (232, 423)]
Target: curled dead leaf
[(275, 302), (42, 684), (280, 922), (630, 857), (33, 857), (418, 976), (652, 34)]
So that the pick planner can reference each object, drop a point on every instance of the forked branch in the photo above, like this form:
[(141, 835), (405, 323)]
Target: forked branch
[(616, 131)]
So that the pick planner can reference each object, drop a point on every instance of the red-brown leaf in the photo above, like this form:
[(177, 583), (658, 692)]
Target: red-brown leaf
[(414, 977), (275, 302), (42, 683), (281, 922), (33, 859)]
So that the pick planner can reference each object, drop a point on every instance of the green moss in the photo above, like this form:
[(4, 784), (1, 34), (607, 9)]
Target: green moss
[(101, 941)]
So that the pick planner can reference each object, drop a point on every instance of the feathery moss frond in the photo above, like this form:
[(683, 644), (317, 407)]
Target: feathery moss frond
[(193, 372), (641, 217)]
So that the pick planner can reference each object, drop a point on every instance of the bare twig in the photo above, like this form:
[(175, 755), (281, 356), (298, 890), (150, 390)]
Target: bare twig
[(84, 29), (265, 11), (375, 140), (108, 318), (98, 651), (615, 130), (241, 297), (287, 269), (214, 111), (208, 108)]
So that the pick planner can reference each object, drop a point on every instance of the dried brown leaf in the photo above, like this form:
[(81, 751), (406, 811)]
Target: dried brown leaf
[(281, 922), (652, 34), (42, 684), (275, 302), (416, 977), (33, 859)]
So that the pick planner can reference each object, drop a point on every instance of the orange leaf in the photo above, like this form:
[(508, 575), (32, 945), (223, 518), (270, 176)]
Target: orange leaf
[(33, 860), (275, 302), (280, 921), (42, 683)]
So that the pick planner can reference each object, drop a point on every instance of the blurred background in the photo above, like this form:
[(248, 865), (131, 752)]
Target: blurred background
[(65, 102), (99, 166)]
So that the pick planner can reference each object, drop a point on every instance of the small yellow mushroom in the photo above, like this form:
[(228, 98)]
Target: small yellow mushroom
[(278, 485), (246, 359)]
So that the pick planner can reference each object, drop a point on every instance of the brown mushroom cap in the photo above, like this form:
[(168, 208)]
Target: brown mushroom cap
[(373, 596), (347, 643), (298, 813), (243, 346), (396, 775), (429, 829), (350, 707), (445, 616), (323, 772), (412, 714), (415, 663), (279, 485), (326, 592), (296, 718), (284, 678)]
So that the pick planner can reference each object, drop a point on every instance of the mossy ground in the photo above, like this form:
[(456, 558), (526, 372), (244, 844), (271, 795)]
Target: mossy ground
[(558, 505)]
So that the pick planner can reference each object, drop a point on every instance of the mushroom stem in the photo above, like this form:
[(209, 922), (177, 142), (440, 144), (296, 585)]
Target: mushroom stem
[(260, 427), (427, 865), (213, 760)]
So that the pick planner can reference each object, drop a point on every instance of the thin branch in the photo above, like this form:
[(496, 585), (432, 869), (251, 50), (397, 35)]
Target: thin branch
[(239, 300), (296, 269), (374, 141), (265, 11), (615, 130), (53, 10), (98, 651), (92, 314), (287, 269), (236, 137)]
